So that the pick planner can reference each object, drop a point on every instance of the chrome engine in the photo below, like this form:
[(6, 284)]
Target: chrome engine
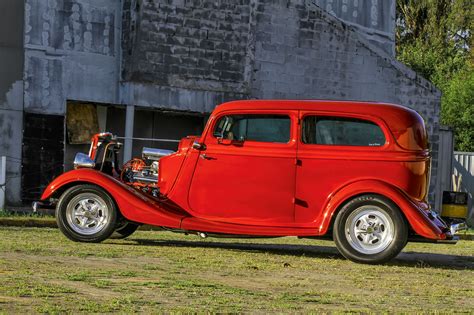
[(149, 173), (143, 173), (154, 154)]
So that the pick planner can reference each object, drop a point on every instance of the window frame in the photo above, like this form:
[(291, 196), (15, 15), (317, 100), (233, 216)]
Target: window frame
[(371, 119), (292, 115)]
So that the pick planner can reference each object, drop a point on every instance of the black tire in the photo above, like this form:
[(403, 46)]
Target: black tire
[(86, 213), (124, 230), (370, 229)]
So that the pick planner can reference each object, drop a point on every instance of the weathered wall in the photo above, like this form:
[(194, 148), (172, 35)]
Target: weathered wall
[(375, 19), (185, 55), (11, 93), (72, 50)]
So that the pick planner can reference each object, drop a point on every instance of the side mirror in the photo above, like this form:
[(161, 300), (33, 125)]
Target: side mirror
[(199, 146)]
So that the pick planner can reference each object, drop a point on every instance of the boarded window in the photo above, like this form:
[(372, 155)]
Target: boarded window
[(81, 122)]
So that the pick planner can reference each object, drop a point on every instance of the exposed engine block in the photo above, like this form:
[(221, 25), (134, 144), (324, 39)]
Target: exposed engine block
[(143, 172)]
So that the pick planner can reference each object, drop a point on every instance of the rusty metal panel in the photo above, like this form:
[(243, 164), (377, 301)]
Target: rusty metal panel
[(81, 122)]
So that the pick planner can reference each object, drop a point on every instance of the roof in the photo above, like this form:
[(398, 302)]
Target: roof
[(371, 108), (406, 125)]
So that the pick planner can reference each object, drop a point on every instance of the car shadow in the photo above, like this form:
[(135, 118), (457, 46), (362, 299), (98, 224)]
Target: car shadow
[(407, 259)]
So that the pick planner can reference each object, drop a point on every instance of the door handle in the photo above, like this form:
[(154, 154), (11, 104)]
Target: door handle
[(206, 157)]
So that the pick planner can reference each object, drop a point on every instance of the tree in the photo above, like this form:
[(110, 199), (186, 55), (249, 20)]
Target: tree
[(457, 108), (434, 37)]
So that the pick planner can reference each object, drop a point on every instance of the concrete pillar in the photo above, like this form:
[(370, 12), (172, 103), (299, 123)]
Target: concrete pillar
[(128, 143)]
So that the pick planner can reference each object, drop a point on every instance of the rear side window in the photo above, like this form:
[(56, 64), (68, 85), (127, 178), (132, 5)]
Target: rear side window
[(264, 128), (341, 131)]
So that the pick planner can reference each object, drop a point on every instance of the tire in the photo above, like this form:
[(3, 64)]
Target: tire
[(86, 213), (370, 229), (124, 230)]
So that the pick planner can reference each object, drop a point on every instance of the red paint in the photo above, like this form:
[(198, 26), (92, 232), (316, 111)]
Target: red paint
[(275, 189)]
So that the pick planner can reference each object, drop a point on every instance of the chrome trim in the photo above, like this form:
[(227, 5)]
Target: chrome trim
[(87, 214), (82, 160), (151, 179), (155, 154), (369, 230), (454, 228)]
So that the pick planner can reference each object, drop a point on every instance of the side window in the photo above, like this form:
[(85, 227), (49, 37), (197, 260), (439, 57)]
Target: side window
[(264, 128), (341, 131)]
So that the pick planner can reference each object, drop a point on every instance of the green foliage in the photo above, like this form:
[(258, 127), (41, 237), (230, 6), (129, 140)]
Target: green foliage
[(435, 38), (457, 108)]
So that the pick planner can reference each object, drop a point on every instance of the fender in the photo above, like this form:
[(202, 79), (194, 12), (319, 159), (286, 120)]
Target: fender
[(417, 213), (133, 205)]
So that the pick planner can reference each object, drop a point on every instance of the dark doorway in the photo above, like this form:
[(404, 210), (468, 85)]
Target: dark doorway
[(43, 153)]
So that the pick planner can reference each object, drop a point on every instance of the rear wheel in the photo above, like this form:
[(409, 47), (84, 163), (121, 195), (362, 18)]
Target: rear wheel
[(370, 229), (124, 230), (86, 213)]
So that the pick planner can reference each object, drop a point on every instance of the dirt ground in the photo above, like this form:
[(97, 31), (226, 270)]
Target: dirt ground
[(43, 272)]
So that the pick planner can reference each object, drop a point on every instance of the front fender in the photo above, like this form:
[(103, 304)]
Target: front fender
[(418, 214), (133, 205)]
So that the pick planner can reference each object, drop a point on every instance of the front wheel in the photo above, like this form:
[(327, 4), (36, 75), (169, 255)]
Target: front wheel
[(370, 229), (86, 213)]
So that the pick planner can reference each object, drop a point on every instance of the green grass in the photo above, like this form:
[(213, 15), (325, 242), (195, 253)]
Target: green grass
[(22, 215), (43, 272)]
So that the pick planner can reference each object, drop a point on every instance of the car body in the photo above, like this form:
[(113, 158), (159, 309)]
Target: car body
[(356, 171)]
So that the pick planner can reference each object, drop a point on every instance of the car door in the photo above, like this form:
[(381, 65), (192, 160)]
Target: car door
[(246, 174), (334, 149)]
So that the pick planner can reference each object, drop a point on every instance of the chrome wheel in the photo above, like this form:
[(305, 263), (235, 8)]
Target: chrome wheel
[(369, 230), (87, 213)]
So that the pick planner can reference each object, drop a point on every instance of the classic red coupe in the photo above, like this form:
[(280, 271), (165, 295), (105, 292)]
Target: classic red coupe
[(356, 172)]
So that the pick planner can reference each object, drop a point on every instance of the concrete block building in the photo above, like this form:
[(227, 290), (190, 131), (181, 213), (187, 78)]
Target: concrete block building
[(156, 68)]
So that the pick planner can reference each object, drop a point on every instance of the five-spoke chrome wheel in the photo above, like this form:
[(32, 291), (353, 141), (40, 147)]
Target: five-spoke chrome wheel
[(87, 213), (369, 229)]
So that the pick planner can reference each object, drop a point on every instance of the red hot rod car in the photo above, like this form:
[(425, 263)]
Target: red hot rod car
[(354, 171)]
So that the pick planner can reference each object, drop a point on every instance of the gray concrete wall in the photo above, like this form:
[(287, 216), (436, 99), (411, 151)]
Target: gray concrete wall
[(185, 55), (11, 93), (373, 18), (72, 51)]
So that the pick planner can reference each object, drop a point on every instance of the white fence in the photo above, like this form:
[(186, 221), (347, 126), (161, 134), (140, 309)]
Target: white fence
[(3, 179), (463, 165)]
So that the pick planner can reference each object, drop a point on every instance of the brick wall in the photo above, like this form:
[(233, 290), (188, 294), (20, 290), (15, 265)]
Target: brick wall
[(196, 44)]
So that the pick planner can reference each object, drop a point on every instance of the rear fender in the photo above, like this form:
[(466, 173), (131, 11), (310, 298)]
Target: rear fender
[(418, 214), (133, 205)]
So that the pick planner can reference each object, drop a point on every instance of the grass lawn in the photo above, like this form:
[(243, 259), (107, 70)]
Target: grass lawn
[(42, 271)]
